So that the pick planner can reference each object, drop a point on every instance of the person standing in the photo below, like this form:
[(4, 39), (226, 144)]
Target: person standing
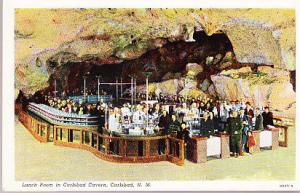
[(101, 118), (246, 127), (258, 121), (224, 114), (249, 112), (267, 117), (206, 127), (234, 128), (174, 127), (164, 123)]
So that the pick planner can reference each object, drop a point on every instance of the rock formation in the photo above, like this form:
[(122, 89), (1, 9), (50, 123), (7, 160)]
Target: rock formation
[(224, 53)]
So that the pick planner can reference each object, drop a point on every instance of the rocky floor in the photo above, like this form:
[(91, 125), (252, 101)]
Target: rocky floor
[(37, 161)]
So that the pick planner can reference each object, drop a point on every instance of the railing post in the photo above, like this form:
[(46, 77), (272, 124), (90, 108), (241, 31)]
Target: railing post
[(147, 153), (91, 139), (181, 150), (55, 133), (225, 152), (121, 147), (125, 148), (97, 142), (256, 135), (167, 145), (81, 137), (47, 133), (275, 136), (106, 143)]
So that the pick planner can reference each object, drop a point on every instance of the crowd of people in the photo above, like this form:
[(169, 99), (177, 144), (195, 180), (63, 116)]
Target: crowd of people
[(177, 116)]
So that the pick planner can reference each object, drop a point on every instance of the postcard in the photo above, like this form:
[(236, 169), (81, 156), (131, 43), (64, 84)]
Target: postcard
[(140, 98)]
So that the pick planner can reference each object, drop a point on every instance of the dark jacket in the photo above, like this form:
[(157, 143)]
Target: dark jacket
[(174, 127), (259, 123), (206, 127), (164, 123), (184, 134), (267, 119), (250, 115), (234, 127)]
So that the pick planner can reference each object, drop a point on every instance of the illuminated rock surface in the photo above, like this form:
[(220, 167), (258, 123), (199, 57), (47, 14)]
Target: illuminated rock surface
[(66, 43)]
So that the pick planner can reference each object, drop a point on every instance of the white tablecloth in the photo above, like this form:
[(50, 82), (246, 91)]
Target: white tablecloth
[(265, 138), (213, 146)]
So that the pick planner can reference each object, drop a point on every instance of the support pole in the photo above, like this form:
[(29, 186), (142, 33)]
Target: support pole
[(131, 92), (84, 88), (98, 91), (117, 92), (135, 91), (55, 88), (121, 94), (147, 93)]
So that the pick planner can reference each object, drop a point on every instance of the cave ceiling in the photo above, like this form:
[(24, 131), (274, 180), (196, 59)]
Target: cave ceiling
[(47, 38)]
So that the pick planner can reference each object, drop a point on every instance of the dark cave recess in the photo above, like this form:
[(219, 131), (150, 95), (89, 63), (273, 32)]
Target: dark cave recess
[(172, 57)]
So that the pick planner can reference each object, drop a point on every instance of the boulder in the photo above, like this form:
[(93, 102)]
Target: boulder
[(276, 91), (169, 87), (243, 70), (194, 68), (205, 85), (217, 58), (172, 86), (190, 83), (195, 93), (168, 76), (272, 71), (211, 90)]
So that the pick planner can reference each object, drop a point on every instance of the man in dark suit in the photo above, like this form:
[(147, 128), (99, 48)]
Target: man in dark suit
[(267, 117), (164, 123), (206, 127), (234, 129)]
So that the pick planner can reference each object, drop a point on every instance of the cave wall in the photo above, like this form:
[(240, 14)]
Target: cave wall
[(77, 40)]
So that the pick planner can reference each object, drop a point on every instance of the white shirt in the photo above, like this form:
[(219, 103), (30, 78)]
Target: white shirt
[(113, 122), (138, 117), (125, 111)]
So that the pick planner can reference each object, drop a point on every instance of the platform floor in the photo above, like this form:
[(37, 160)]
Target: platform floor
[(38, 161)]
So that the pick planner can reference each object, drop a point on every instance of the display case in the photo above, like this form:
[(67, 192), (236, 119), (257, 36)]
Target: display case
[(92, 98), (58, 117)]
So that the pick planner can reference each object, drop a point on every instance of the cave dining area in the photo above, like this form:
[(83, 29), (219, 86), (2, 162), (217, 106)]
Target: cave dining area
[(172, 85)]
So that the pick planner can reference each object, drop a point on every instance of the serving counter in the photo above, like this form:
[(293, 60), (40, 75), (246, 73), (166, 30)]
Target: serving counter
[(58, 117), (121, 149)]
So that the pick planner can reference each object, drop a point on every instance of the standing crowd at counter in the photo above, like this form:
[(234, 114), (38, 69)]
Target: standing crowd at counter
[(177, 116)]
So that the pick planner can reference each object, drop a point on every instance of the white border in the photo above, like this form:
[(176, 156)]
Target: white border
[(8, 145)]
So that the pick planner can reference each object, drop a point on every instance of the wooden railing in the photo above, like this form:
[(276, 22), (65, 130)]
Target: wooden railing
[(125, 149), (40, 130), (128, 149)]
